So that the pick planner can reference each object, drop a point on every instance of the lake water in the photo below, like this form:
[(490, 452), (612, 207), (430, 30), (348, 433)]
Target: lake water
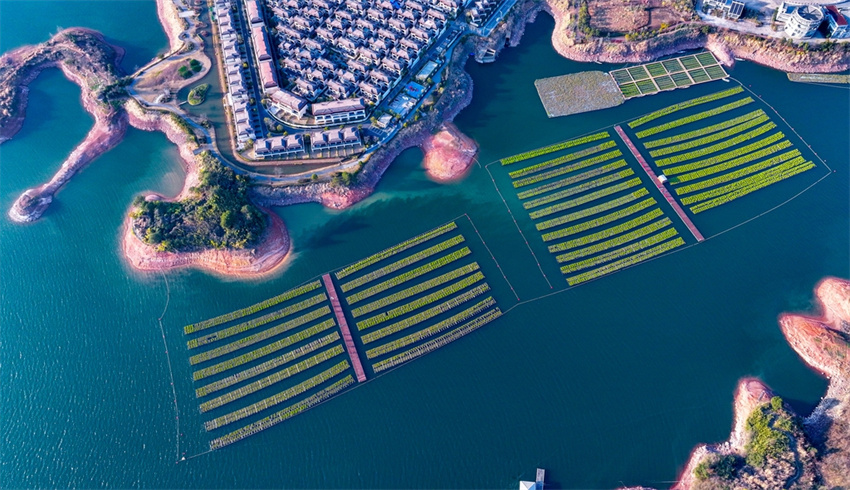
[(609, 383)]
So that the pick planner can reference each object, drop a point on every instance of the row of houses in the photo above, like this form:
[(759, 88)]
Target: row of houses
[(801, 19), (295, 146)]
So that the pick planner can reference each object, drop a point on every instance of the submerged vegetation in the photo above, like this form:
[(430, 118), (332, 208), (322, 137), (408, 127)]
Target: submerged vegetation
[(218, 214)]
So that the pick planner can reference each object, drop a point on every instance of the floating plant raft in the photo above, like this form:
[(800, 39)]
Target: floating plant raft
[(578, 92)]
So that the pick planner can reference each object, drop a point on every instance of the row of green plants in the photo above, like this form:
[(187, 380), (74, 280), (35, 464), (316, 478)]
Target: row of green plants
[(414, 290), (734, 130), (426, 315), (212, 322), (736, 162), (420, 302), (704, 131), (607, 232), (556, 147), (566, 170), (578, 189), (256, 322), (271, 379), (401, 247), (408, 276), (793, 155), (276, 399), (731, 196), (764, 175), (614, 242), (260, 336), (428, 332), (620, 252), (629, 90), (634, 196), (557, 208), (562, 159), (711, 149), (264, 350), (401, 264), (282, 415), (597, 222), (572, 180), (266, 366), (695, 117), (625, 262), (684, 105), (722, 157), (434, 344)]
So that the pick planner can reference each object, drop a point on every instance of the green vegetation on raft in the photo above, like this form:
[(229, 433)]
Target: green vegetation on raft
[(198, 94), (217, 215)]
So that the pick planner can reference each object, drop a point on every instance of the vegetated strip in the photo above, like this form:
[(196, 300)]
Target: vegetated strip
[(696, 117), (266, 366), (620, 252), (420, 302), (436, 328), (414, 290), (401, 264), (282, 415), (607, 232), (271, 379), (556, 147), (260, 336), (264, 351), (793, 155), (578, 189), (256, 322), (407, 276), (743, 191), (571, 180), (585, 199), (603, 220), (401, 247), (434, 344), (614, 242), (625, 262), (704, 131), (734, 130), (730, 154), (684, 105), (566, 170), (545, 225), (782, 169), (562, 159), (708, 150), (722, 167), (212, 322), (425, 315), (277, 398)]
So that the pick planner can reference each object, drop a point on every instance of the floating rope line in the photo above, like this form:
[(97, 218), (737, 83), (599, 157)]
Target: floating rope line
[(179, 457), (491, 255)]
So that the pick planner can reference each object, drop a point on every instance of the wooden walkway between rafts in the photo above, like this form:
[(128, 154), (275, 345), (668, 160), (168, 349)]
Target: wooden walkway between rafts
[(654, 178), (343, 325)]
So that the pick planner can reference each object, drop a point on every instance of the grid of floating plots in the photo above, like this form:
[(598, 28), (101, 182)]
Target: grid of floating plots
[(285, 351), (669, 74), (417, 296), (591, 208), (725, 151)]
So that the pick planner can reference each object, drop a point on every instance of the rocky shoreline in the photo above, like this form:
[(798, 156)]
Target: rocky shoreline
[(449, 154), (821, 341)]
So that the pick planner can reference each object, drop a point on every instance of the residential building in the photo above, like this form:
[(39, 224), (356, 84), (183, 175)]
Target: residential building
[(339, 111), (837, 23)]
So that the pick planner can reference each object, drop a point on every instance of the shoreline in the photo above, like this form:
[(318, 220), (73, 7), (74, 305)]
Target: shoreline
[(449, 154)]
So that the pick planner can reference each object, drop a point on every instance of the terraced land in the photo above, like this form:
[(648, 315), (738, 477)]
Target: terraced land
[(285, 352), (410, 304), (593, 211), (724, 152), (669, 74)]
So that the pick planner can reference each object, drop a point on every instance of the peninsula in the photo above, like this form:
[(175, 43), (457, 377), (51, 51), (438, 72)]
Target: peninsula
[(347, 84)]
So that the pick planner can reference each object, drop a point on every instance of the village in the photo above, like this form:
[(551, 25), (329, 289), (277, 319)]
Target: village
[(305, 78)]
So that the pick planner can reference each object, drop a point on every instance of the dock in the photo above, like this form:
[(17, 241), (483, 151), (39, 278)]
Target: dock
[(343, 325), (646, 168), (538, 480)]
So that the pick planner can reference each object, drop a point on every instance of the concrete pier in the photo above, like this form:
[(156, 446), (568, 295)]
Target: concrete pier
[(343, 325)]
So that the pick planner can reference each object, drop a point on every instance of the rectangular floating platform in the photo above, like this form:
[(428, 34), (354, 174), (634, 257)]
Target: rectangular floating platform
[(646, 168), (660, 76), (343, 325), (579, 92)]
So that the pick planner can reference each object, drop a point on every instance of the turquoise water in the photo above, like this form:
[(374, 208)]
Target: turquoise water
[(610, 382)]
